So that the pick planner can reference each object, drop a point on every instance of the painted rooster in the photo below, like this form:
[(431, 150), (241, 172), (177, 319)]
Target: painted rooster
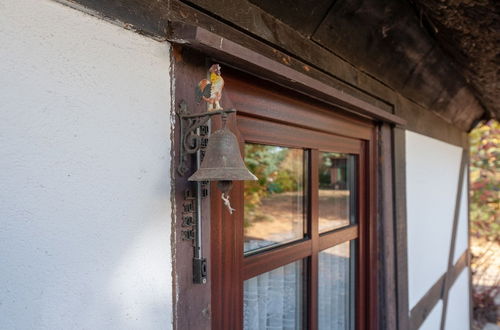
[(210, 90)]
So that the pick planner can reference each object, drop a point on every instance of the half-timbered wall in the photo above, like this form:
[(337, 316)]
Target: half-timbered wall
[(85, 186), (437, 231), (85, 172)]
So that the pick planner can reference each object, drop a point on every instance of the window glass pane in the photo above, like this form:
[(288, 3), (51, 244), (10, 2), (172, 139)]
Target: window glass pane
[(336, 283), (273, 300), (274, 205), (336, 203)]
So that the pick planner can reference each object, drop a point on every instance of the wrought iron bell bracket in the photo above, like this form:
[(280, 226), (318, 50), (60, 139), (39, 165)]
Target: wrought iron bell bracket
[(190, 137)]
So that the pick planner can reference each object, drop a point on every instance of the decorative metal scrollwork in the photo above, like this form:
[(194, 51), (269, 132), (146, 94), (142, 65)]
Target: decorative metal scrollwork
[(191, 138)]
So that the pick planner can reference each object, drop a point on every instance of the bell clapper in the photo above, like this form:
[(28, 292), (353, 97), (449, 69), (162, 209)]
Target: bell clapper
[(225, 186)]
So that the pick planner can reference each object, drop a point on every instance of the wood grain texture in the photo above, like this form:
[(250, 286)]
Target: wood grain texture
[(284, 75), (313, 230), (263, 131), (386, 230), (359, 30), (347, 78), (411, 64), (191, 301), (399, 159), (338, 236), (373, 50), (302, 15), (280, 256), (147, 17), (285, 106), (375, 244), (427, 123)]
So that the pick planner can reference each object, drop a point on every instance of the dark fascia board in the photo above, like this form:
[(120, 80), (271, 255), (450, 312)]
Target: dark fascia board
[(255, 63), (149, 18)]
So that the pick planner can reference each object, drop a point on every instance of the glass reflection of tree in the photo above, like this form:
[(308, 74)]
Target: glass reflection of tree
[(278, 170)]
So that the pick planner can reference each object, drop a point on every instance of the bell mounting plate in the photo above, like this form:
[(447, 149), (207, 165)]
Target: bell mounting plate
[(191, 140)]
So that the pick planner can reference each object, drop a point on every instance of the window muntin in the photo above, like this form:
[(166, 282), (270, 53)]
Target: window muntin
[(335, 205), (259, 261)]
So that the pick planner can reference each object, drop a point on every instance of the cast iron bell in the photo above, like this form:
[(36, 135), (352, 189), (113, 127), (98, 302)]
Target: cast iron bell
[(222, 161)]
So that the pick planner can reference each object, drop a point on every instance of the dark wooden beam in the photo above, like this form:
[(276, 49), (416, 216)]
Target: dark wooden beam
[(191, 302), (367, 32), (363, 61), (146, 17), (451, 254), (386, 231), (254, 62), (358, 84), (427, 123), (262, 26), (399, 161), (425, 305), (385, 42), (302, 15)]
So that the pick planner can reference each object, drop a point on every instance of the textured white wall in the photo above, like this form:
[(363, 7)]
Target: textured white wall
[(432, 170), (84, 158), (458, 312)]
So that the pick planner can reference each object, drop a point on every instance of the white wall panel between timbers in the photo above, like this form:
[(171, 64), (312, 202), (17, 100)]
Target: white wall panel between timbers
[(458, 313), (433, 320), (85, 185), (432, 173)]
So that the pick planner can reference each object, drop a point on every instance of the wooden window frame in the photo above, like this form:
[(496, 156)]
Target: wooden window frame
[(192, 303), (229, 267)]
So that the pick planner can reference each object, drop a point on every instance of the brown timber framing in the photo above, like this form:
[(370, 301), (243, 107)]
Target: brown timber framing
[(154, 19), (422, 309), (253, 62), (440, 289), (399, 177), (386, 231), (377, 309), (169, 19), (447, 279)]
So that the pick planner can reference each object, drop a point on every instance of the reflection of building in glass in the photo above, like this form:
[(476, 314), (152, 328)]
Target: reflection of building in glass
[(338, 173), (333, 171)]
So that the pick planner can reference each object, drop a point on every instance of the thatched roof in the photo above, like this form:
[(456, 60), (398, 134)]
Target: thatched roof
[(469, 32)]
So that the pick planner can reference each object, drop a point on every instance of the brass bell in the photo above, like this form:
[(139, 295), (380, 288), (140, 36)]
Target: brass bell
[(222, 161)]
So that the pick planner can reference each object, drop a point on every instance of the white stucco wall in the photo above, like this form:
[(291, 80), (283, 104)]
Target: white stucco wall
[(458, 311), (84, 172), (433, 320), (432, 175)]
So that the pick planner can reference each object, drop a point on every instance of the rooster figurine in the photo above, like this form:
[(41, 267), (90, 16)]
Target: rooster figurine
[(210, 90)]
